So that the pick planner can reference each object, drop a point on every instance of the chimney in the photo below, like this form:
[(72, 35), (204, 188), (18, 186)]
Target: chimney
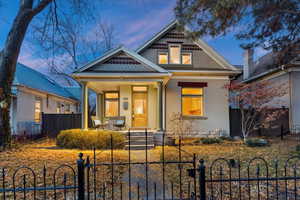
[(248, 63)]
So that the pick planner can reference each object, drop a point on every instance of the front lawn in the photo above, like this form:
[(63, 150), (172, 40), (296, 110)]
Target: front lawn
[(45, 152)]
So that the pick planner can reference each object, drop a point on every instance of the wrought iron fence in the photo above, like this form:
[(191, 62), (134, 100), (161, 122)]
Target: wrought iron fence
[(24, 183), (143, 175), (134, 179), (256, 179)]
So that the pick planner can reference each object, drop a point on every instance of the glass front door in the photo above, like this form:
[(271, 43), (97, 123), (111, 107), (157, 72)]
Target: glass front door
[(139, 109)]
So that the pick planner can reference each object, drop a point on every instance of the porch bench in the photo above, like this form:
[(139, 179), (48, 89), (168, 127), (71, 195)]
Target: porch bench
[(118, 122)]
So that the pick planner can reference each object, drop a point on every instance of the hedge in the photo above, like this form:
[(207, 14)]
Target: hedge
[(89, 139)]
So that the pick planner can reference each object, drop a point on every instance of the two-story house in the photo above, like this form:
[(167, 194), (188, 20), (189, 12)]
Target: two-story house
[(168, 74)]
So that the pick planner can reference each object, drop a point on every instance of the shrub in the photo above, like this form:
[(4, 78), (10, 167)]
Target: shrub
[(88, 139), (256, 142), (227, 138), (211, 140)]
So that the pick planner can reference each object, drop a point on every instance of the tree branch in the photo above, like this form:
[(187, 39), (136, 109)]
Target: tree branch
[(43, 4)]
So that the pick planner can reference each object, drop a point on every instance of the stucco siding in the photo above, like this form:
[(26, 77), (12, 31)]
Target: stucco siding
[(199, 58), (24, 103), (295, 98), (216, 106)]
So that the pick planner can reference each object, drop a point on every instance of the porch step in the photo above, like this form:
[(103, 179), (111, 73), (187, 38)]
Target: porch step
[(139, 147), (132, 134), (138, 140), (132, 138)]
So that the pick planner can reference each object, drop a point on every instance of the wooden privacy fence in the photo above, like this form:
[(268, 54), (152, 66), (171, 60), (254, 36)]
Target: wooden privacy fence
[(52, 124)]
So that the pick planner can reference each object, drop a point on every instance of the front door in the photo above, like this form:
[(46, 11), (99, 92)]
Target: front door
[(139, 109)]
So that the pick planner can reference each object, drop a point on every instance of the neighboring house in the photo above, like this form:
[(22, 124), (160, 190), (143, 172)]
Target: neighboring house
[(168, 74), (34, 93), (287, 73)]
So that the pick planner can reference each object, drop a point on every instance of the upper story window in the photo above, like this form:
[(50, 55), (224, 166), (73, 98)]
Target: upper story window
[(163, 58), (174, 54), (111, 104), (186, 58), (37, 109)]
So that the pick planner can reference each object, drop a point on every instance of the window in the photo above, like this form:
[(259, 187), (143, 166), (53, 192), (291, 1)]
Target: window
[(163, 58), (139, 88), (58, 107), (186, 58), (192, 101), (111, 104), (174, 54), (37, 109), (68, 108)]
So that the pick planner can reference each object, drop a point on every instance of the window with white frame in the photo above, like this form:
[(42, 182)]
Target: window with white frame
[(58, 107), (68, 108), (163, 58), (192, 101), (37, 109), (174, 54), (111, 100), (186, 58)]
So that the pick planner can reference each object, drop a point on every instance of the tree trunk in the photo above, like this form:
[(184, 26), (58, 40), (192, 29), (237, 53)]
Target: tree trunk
[(8, 61)]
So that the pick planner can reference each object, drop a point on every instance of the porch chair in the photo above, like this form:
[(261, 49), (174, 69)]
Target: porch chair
[(119, 122), (97, 123)]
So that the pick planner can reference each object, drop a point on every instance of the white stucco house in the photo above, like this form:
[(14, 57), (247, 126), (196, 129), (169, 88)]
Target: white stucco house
[(168, 74), (286, 73), (34, 93)]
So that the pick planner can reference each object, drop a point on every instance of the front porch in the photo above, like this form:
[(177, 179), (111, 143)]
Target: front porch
[(138, 102)]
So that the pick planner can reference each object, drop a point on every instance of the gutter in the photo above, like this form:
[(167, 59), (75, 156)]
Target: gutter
[(130, 75), (47, 93), (269, 72)]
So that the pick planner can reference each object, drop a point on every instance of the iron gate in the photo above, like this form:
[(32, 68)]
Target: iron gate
[(146, 179)]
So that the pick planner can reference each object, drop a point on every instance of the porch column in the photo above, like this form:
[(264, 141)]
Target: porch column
[(159, 105), (84, 105), (99, 107)]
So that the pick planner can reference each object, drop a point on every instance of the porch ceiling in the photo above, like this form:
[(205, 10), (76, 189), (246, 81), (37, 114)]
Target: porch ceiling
[(99, 87)]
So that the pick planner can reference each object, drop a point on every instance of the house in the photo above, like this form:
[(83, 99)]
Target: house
[(168, 74), (287, 73), (34, 93)]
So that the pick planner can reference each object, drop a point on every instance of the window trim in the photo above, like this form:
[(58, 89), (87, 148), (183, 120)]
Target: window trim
[(191, 53), (193, 95), (41, 109), (169, 58), (111, 99), (163, 52)]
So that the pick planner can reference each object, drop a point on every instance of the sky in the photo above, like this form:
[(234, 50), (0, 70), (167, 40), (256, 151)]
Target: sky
[(135, 21)]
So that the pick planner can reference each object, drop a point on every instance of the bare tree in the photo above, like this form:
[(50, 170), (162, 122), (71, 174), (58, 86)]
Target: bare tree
[(46, 13), (74, 46)]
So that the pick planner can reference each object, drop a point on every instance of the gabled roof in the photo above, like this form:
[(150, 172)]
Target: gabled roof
[(203, 45), (141, 65), (28, 77), (269, 64)]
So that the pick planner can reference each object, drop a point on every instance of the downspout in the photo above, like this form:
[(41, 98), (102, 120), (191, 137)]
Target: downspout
[(291, 102)]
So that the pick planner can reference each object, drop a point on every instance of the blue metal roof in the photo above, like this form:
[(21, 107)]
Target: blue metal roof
[(26, 76)]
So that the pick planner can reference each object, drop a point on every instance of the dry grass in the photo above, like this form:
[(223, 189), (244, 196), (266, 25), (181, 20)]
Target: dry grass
[(45, 152)]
